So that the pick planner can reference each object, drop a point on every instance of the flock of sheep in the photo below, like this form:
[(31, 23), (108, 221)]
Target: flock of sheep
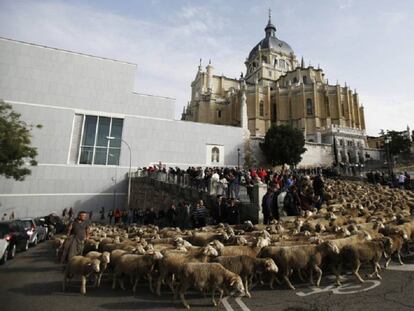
[(359, 224)]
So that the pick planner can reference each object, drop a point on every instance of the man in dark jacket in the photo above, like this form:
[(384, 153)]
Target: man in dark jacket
[(266, 205), (318, 185), (172, 216), (233, 213), (273, 205), (292, 202)]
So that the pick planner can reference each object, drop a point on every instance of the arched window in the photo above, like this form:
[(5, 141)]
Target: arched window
[(295, 80), (264, 59), (219, 113), (215, 155), (309, 107), (305, 79), (261, 108), (275, 62)]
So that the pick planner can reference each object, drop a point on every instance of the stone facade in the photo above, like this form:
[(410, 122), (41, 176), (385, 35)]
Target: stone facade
[(279, 90)]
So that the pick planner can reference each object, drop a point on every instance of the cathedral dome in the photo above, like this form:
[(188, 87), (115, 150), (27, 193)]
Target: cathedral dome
[(271, 42)]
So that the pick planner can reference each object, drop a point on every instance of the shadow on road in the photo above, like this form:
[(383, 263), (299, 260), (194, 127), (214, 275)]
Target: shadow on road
[(139, 304), (30, 269), (38, 289)]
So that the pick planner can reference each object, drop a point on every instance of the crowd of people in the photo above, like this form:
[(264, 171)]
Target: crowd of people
[(289, 193), (401, 180)]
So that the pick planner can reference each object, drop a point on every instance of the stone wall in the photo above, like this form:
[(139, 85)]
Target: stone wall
[(315, 155), (148, 192)]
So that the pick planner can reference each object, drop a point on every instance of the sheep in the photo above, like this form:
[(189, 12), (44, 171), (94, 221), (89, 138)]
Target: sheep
[(89, 246), (396, 246), (135, 266), (235, 250), (83, 266), (204, 238), (57, 244), (299, 258), (104, 259), (209, 278), (247, 267), (173, 261), (112, 246), (362, 252)]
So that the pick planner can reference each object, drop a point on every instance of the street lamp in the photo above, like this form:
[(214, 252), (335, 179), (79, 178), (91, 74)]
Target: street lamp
[(129, 175), (387, 140), (238, 158)]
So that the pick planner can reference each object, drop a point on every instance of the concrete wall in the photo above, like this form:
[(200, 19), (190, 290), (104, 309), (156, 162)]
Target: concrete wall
[(49, 86), (317, 155)]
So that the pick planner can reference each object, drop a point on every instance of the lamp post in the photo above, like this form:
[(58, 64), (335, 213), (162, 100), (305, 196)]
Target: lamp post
[(238, 158), (114, 179), (387, 140), (130, 158)]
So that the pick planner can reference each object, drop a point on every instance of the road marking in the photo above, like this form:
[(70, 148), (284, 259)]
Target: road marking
[(397, 267), (241, 304), (226, 304), (345, 289)]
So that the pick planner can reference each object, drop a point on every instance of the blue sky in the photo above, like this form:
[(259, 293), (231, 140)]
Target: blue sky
[(369, 44)]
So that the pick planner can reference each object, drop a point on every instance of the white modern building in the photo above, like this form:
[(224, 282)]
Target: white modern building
[(81, 100)]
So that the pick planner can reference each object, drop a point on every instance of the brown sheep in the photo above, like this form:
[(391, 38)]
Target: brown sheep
[(363, 252), (170, 266), (135, 266), (397, 244), (209, 278), (247, 267)]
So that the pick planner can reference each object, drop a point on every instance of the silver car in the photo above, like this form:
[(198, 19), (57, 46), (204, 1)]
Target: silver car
[(4, 248), (37, 233)]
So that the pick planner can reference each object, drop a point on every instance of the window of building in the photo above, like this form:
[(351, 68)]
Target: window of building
[(309, 107), (341, 142), (264, 59), (282, 64), (270, 73), (219, 113), (275, 62), (261, 108), (215, 155), (95, 147), (295, 80), (305, 80)]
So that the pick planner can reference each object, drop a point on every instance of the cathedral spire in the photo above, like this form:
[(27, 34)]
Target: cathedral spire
[(270, 28), (199, 66), (302, 63)]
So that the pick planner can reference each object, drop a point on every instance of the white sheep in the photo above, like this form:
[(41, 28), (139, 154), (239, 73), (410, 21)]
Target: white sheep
[(83, 266)]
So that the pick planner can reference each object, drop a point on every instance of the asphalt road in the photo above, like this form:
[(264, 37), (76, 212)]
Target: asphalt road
[(32, 281)]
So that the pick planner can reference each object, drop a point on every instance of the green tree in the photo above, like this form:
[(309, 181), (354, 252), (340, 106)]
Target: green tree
[(399, 142), (283, 144), (15, 148)]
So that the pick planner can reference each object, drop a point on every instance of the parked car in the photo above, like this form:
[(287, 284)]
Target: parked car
[(14, 232), (36, 233), (4, 246), (41, 222)]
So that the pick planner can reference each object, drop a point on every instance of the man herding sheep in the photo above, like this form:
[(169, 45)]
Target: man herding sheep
[(77, 233)]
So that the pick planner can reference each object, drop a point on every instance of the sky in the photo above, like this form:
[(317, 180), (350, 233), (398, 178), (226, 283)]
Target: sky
[(369, 44)]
